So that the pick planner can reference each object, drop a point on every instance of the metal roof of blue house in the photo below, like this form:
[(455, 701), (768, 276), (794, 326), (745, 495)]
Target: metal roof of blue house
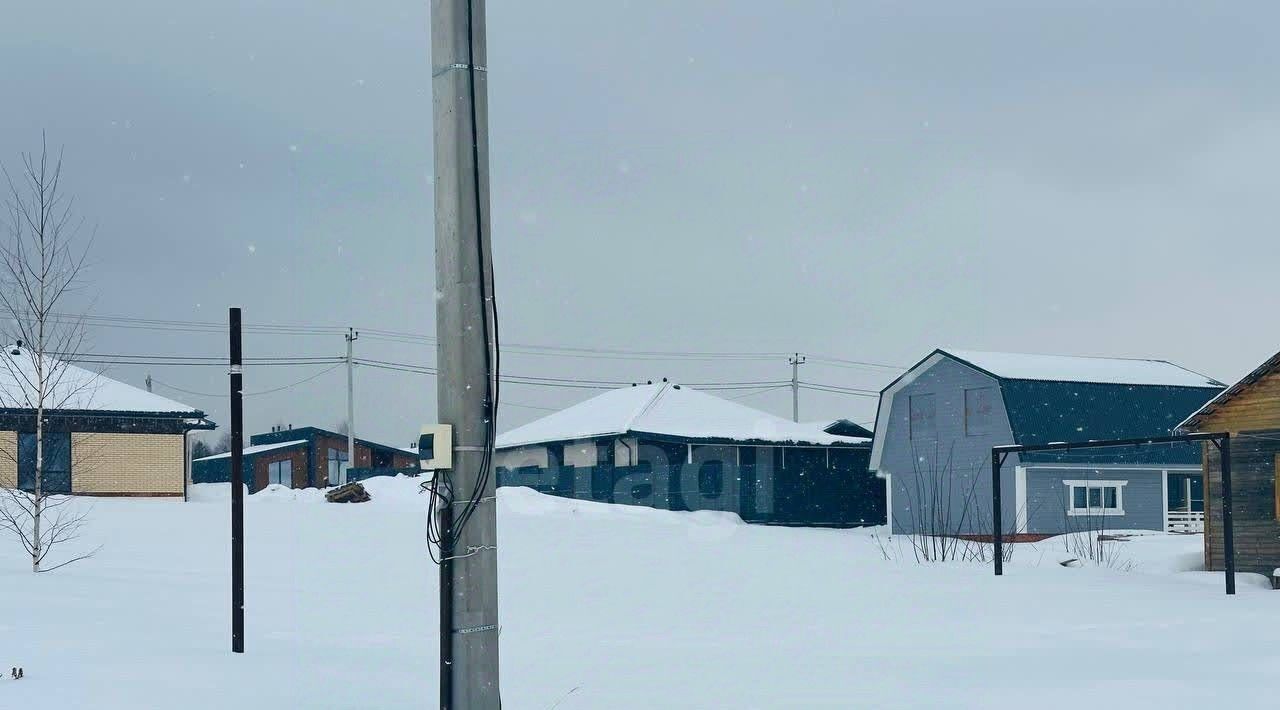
[(1075, 368), (1066, 398)]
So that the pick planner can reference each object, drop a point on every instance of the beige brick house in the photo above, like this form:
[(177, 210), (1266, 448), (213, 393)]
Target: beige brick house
[(106, 438)]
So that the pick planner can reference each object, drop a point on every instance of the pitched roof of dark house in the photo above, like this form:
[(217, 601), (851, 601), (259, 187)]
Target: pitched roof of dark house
[(1190, 423), (844, 427), (310, 432), (255, 449)]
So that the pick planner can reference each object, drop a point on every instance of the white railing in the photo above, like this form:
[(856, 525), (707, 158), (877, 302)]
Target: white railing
[(1185, 521)]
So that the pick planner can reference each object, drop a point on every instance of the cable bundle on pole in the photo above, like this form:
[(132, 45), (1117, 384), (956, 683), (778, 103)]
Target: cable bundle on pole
[(463, 534)]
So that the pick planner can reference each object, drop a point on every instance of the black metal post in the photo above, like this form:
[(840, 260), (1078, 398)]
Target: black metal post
[(237, 487), (446, 604), (1228, 527), (997, 535), (1222, 440)]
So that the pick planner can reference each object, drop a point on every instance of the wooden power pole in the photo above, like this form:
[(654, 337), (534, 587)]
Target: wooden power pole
[(467, 356)]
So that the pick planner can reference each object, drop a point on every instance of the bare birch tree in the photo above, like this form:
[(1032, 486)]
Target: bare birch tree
[(41, 263)]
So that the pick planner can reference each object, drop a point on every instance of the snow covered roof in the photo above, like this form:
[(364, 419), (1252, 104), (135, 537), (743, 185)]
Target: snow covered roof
[(254, 449), (1068, 368), (1191, 423), (77, 388), (670, 410)]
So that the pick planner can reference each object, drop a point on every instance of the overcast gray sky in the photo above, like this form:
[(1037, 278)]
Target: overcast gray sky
[(863, 180)]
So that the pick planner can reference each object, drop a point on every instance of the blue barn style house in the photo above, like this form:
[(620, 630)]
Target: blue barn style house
[(671, 447), (936, 425)]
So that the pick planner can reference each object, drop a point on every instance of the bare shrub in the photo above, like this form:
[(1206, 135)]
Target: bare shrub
[(943, 509)]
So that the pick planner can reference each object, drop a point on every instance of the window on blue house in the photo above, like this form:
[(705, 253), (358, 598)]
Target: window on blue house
[(711, 478), (1095, 497), (979, 411), (924, 416)]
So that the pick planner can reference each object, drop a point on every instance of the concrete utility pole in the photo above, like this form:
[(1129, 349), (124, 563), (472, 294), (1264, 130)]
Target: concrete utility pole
[(796, 362), (351, 336), (466, 385)]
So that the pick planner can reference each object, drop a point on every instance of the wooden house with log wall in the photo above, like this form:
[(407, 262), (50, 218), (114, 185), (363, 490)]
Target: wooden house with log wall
[(1249, 410)]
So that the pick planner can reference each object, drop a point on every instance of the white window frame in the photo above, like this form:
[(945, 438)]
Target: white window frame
[(1072, 510)]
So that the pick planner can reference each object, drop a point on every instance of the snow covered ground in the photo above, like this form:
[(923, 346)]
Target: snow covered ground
[(613, 607)]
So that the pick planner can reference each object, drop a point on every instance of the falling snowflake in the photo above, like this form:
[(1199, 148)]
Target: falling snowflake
[(293, 148), (253, 249)]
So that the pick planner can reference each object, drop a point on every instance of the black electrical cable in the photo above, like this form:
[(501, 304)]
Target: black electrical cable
[(489, 324), (489, 319)]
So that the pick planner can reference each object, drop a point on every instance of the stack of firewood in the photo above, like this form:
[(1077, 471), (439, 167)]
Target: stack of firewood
[(349, 493)]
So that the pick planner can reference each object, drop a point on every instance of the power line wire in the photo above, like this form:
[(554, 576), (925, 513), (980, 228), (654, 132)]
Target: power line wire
[(506, 403), (759, 391), (842, 362), (130, 359), (422, 338), (171, 363), (199, 359), (832, 390), (250, 394)]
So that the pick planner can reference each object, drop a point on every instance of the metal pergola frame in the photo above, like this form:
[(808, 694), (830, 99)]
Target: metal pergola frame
[(1222, 440)]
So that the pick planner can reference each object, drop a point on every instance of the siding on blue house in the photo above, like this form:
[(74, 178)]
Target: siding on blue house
[(937, 460), (1048, 502), (952, 468)]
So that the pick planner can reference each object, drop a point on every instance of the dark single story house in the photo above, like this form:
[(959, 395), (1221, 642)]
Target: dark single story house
[(102, 437), (306, 457), (1249, 410), (936, 425), (672, 447)]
